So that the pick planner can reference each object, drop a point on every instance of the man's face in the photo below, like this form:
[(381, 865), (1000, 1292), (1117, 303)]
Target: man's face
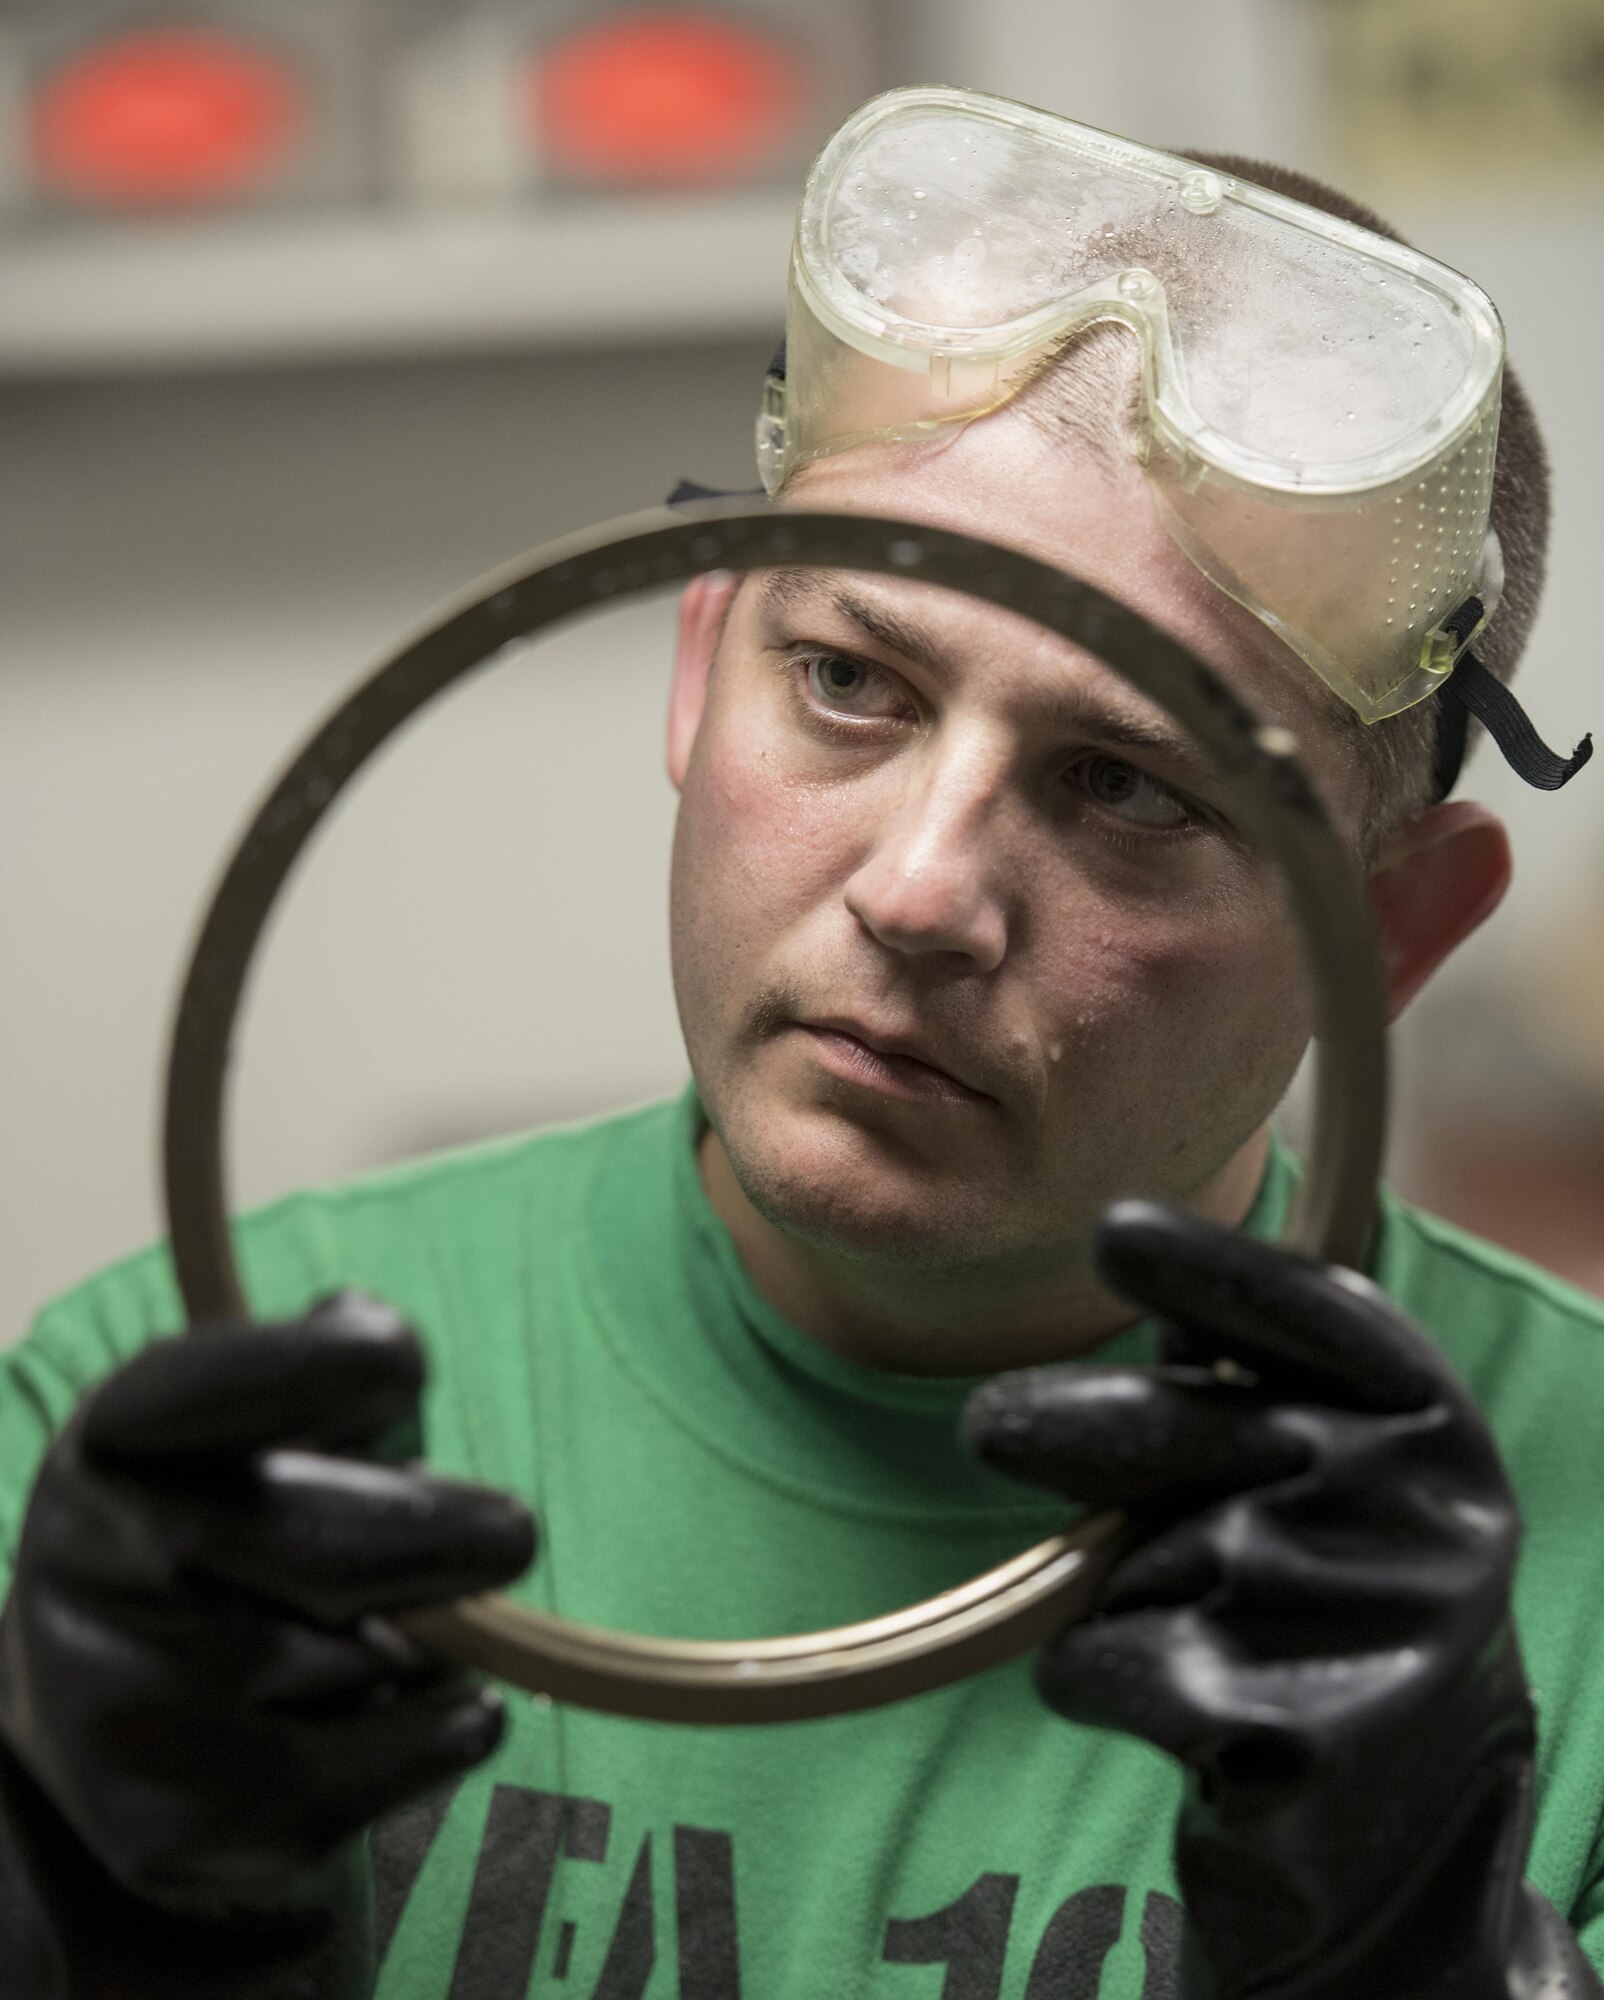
[(964, 944)]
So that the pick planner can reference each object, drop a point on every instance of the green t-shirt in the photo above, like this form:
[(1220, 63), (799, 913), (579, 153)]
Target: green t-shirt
[(701, 1468)]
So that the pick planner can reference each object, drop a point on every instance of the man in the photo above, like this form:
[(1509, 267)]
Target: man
[(965, 947)]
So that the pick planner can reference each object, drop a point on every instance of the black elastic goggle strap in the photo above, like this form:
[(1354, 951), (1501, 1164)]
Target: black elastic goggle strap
[(1448, 755), (1471, 690), (693, 489)]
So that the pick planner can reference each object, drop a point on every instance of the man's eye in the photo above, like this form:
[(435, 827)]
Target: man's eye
[(852, 687), (1131, 794)]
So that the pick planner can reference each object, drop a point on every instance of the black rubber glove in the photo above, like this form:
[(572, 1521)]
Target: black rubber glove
[(1313, 1616), (201, 1699)]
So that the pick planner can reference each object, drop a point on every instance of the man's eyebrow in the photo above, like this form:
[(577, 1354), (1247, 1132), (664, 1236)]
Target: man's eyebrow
[(1109, 726), (782, 588), (1074, 713)]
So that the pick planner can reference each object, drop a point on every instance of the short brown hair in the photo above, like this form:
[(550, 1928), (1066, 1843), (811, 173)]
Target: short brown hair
[(1089, 394)]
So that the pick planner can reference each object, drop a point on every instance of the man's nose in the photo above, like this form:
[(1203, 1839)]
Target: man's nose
[(934, 879)]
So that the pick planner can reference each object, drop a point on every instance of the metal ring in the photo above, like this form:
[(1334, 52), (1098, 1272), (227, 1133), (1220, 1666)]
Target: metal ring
[(1016, 1605)]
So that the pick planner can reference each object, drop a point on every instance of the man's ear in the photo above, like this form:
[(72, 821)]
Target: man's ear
[(704, 603), (1439, 876)]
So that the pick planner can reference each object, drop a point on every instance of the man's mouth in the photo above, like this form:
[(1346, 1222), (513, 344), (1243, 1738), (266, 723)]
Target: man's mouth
[(890, 1064)]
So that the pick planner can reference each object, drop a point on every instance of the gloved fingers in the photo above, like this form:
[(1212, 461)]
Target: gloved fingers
[(1176, 1678), (1177, 1566), (400, 1747), (1270, 1309), (1132, 1437), (1121, 1673), (346, 1372), (1305, 1573), (337, 1538), (311, 1672), (332, 1776), (1173, 1678)]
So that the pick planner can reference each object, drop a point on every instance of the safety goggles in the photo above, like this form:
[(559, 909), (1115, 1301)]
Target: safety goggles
[(1319, 405)]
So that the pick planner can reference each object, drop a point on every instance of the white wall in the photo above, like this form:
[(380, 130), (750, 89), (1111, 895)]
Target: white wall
[(194, 571)]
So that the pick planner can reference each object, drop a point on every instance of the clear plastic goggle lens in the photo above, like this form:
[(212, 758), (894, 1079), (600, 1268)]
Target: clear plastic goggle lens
[(1320, 406)]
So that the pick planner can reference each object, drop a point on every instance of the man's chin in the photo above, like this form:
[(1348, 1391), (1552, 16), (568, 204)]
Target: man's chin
[(855, 1189)]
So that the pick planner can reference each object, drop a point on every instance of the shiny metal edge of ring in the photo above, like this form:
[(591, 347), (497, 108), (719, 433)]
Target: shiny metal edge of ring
[(1001, 1613), (783, 1680)]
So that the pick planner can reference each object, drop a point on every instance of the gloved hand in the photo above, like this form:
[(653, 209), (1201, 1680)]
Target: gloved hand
[(1313, 1616), (201, 1698)]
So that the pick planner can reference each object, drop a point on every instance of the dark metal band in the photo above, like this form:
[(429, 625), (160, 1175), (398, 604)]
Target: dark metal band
[(1020, 1603)]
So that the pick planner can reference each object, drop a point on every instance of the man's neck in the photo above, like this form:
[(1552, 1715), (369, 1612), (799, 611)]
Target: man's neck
[(911, 1325)]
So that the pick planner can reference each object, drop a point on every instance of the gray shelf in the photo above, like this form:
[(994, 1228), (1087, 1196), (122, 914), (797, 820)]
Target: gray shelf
[(317, 288)]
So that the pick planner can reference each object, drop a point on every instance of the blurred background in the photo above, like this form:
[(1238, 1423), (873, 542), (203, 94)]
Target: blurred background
[(312, 310)]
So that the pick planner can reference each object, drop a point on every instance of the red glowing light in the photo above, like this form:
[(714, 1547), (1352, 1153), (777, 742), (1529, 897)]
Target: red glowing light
[(665, 96), (174, 115)]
